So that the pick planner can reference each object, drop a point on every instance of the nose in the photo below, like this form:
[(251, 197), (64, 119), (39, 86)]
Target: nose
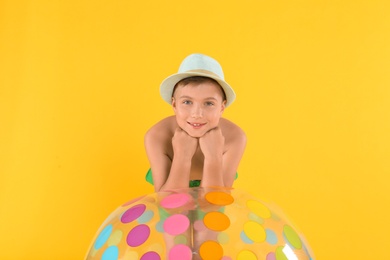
[(197, 112)]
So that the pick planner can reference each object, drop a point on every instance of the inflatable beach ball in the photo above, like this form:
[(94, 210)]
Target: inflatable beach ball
[(198, 223)]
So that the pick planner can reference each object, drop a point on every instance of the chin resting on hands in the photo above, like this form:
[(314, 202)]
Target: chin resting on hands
[(184, 144), (212, 143)]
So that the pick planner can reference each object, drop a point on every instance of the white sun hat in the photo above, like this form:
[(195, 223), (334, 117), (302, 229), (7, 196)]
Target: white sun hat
[(197, 65)]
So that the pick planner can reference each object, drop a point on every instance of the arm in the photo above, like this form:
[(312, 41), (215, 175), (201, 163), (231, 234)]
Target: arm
[(220, 166), (232, 157), (170, 158), (212, 144)]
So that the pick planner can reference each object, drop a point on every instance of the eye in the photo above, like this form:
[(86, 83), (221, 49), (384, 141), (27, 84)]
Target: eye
[(187, 102), (209, 104)]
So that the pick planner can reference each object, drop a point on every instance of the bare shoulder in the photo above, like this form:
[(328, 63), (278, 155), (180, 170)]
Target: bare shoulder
[(161, 132), (232, 132)]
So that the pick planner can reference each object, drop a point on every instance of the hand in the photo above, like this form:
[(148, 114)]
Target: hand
[(184, 144), (212, 143)]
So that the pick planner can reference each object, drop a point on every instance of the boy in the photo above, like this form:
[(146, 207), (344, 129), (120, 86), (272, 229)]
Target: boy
[(195, 146)]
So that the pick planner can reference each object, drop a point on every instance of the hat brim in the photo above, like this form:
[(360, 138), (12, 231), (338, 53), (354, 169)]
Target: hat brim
[(167, 85)]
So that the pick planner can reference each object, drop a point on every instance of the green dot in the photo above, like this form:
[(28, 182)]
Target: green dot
[(223, 238), (181, 239), (252, 216), (279, 254), (292, 237)]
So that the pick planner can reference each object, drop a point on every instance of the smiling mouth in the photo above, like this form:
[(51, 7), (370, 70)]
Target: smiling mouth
[(196, 125)]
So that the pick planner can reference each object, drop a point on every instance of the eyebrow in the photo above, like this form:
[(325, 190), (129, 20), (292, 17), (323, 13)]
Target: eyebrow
[(213, 98)]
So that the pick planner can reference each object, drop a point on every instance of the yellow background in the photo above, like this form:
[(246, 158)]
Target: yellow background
[(79, 88)]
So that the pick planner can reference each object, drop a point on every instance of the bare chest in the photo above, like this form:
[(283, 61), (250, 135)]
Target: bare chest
[(197, 165)]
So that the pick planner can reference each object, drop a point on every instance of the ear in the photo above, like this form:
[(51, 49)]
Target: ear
[(173, 103), (223, 105)]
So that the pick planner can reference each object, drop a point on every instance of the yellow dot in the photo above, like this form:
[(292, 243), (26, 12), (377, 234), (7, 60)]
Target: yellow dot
[(246, 255), (130, 255), (115, 238), (211, 250), (156, 247), (255, 231), (93, 252), (216, 221), (258, 208), (219, 198)]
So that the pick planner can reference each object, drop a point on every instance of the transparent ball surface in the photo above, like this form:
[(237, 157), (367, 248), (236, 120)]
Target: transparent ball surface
[(198, 223)]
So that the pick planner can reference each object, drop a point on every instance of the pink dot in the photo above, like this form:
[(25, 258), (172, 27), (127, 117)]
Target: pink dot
[(138, 235), (176, 224), (133, 213), (199, 225), (151, 256), (175, 200), (271, 256), (180, 252), (226, 258)]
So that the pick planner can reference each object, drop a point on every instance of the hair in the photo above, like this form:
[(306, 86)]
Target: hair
[(198, 80)]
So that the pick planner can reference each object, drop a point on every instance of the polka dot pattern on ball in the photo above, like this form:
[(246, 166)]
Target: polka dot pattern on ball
[(138, 235), (130, 255), (176, 224), (246, 255), (211, 250), (115, 238), (216, 221), (205, 223), (252, 216), (219, 198), (199, 225), (272, 238), (111, 253), (103, 237), (175, 200), (180, 252), (181, 239), (133, 213), (245, 238), (160, 226), (157, 247), (145, 217), (271, 256), (151, 256), (259, 208), (223, 238), (292, 237), (254, 231), (279, 255)]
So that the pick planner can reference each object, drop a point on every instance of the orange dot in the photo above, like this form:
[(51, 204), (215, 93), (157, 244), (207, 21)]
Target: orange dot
[(219, 198), (216, 221), (211, 250)]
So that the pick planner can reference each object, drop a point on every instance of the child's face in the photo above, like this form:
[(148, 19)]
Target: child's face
[(198, 107)]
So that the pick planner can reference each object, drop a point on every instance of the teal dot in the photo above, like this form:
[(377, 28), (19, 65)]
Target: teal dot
[(103, 237), (271, 237), (146, 217), (160, 226), (111, 253), (254, 217)]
